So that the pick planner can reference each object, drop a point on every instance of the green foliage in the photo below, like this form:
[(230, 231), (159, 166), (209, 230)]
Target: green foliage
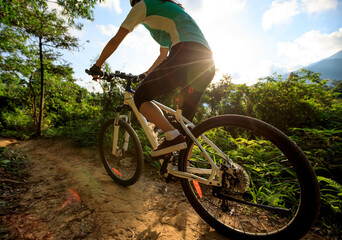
[(12, 162), (331, 206), (301, 105), (271, 178), (331, 192), (215, 93), (31, 40), (10, 10), (82, 133), (17, 124), (300, 100), (236, 100), (337, 88), (13, 166), (323, 148)]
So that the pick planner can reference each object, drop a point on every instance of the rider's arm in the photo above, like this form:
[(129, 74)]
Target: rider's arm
[(112, 46), (163, 54)]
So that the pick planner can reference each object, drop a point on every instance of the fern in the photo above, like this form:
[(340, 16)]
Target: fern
[(331, 193)]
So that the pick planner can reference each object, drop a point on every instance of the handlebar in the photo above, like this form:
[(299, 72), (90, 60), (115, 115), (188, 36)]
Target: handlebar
[(117, 74), (109, 77)]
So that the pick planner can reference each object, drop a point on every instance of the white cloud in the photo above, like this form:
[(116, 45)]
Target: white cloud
[(75, 32), (280, 12), (135, 54), (109, 30), (214, 9), (55, 6), (112, 4), (317, 6), (218, 5), (310, 47)]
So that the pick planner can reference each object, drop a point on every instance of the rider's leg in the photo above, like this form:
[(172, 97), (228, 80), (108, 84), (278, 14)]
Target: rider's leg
[(154, 114), (186, 63), (174, 141), (190, 96)]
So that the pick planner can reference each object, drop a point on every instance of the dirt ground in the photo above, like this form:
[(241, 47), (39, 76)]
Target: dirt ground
[(150, 209)]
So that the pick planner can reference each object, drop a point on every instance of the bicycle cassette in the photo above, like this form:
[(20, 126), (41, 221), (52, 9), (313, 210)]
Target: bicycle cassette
[(236, 180)]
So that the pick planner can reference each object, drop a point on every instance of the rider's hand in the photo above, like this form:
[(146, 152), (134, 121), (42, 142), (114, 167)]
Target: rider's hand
[(96, 72), (142, 76)]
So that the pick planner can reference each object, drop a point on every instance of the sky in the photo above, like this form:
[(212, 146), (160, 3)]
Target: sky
[(250, 39)]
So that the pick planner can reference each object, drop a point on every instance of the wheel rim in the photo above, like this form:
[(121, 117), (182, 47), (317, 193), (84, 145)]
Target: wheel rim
[(124, 163), (273, 182)]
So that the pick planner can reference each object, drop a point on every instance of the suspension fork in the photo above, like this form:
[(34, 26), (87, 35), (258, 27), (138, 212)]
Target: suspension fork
[(116, 134), (116, 129), (125, 146)]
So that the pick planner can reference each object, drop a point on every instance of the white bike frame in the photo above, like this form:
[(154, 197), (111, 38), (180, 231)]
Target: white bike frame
[(215, 173)]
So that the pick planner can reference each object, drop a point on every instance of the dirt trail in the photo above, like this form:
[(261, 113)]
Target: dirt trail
[(150, 209)]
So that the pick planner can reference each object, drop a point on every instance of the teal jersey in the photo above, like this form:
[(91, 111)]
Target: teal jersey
[(168, 23)]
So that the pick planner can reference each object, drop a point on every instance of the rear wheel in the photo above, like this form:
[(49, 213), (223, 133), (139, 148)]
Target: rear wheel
[(125, 164), (272, 193)]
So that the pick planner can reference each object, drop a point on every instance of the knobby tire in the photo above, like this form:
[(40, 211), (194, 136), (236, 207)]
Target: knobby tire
[(308, 206)]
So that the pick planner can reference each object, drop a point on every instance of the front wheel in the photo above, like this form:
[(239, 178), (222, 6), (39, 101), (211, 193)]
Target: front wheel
[(123, 158), (272, 193)]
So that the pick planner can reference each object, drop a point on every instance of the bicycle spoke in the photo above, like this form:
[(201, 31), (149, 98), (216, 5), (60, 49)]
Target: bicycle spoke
[(259, 192), (124, 164), (274, 209)]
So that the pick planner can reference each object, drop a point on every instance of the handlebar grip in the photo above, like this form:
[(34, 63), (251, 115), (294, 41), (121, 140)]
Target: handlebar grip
[(90, 73)]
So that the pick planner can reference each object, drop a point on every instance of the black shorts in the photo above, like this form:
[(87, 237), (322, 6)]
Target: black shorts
[(190, 67)]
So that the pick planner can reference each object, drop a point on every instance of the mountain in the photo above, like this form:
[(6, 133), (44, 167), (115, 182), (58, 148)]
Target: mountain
[(330, 67)]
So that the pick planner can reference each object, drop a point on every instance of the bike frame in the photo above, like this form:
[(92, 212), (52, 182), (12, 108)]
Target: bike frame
[(215, 173)]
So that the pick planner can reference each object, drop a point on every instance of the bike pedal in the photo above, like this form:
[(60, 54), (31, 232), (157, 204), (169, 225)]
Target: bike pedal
[(170, 179)]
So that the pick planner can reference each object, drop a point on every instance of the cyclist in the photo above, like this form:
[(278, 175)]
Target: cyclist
[(185, 61)]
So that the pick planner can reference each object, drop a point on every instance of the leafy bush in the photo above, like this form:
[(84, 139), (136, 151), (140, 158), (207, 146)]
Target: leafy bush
[(12, 162), (331, 206), (299, 101), (16, 123), (323, 148), (82, 133)]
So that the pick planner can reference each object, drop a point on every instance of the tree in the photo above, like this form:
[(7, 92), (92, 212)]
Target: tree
[(215, 93), (301, 100), (236, 100), (10, 10), (43, 34)]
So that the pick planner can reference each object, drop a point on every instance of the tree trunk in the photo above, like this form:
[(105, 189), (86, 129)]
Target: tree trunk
[(40, 123), (34, 104)]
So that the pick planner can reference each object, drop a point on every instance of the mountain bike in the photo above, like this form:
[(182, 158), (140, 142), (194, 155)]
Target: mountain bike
[(244, 177)]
